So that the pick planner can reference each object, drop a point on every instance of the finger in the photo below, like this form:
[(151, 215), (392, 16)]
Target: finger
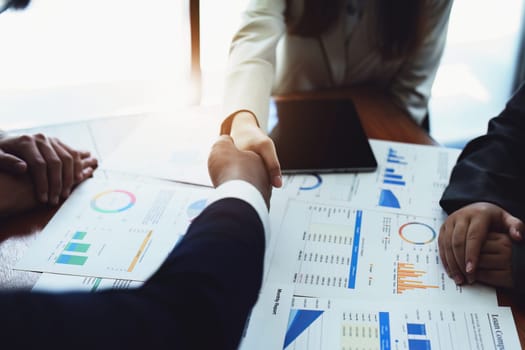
[(68, 167), (224, 141), (453, 270), (498, 278), (87, 173), (476, 234), (459, 234), (77, 160), (37, 167), (54, 168), (514, 226), (12, 164), (221, 147), (443, 232), (269, 155), (89, 163), (220, 151), (88, 167)]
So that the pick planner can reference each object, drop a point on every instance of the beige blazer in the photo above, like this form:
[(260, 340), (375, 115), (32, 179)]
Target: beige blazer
[(265, 60)]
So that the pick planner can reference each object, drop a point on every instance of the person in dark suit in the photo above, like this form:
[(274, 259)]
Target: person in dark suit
[(199, 298), (485, 200)]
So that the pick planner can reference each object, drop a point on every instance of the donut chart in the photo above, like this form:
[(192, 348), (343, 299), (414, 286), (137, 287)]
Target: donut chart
[(113, 201), (417, 233)]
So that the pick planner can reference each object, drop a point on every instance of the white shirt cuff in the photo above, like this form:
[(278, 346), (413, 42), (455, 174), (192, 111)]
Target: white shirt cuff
[(247, 192)]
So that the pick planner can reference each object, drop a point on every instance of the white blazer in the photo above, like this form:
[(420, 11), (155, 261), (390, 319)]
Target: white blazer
[(265, 60)]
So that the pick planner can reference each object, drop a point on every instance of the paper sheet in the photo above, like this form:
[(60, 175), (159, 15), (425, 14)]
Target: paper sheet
[(314, 323), (115, 229), (51, 282), (171, 147)]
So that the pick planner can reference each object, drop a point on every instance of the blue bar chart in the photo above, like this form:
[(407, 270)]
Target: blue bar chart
[(394, 158), (390, 177), (72, 253), (417, 337)]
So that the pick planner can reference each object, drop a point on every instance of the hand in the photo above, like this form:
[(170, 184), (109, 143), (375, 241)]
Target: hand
[(53, 166), (16, 194), (495, 261), (464, 233), (249, 137), (227, 163)]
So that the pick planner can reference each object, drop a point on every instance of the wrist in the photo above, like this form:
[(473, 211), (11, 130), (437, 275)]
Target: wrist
[(238, 120)]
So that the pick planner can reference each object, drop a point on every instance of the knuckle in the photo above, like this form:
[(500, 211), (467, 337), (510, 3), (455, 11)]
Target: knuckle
[(55, 163), (67, 159), (40, 137), (39, 163), (25, 138), (472, 236), (457, 244)]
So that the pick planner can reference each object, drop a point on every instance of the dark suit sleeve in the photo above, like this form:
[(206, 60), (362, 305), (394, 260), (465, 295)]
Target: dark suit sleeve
[(199, 299), (491, 168)]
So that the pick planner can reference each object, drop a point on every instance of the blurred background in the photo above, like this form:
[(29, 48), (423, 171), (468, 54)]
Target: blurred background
[(68, 60)]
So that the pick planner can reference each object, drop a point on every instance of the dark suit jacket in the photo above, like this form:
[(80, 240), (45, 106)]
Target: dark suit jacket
[(199, 298), (491, 168)]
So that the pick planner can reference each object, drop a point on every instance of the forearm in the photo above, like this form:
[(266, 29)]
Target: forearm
[(251, 63)]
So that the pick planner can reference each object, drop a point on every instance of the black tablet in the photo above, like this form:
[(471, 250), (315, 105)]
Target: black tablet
[(320, 135)]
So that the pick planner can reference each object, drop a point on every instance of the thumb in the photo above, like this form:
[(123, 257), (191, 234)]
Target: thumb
[(514, 226), (12, 164), (273, 167)]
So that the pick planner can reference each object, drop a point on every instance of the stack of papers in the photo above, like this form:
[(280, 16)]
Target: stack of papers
[(353, 260)]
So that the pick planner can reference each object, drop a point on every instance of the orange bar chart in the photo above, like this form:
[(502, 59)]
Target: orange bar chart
[(408, 278)]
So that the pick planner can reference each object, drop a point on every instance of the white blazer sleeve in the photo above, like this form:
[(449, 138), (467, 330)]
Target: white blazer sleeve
[(251, 64)]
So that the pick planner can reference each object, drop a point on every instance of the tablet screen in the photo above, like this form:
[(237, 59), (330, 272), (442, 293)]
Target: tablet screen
[(321, 135)]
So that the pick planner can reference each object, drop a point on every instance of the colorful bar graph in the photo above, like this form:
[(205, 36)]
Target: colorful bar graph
[(77, 247), (408, 278), (71, 259), (79, 235)]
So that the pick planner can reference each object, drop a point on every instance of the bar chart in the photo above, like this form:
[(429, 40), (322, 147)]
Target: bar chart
[(72, 253), (409, 278)]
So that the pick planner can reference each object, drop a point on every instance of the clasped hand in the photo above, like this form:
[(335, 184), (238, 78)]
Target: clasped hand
[(226, 162), (247, 136), (475, 244), (53, 166)]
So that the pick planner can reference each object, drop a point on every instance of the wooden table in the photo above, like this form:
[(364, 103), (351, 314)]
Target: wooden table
[(381, 120)]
